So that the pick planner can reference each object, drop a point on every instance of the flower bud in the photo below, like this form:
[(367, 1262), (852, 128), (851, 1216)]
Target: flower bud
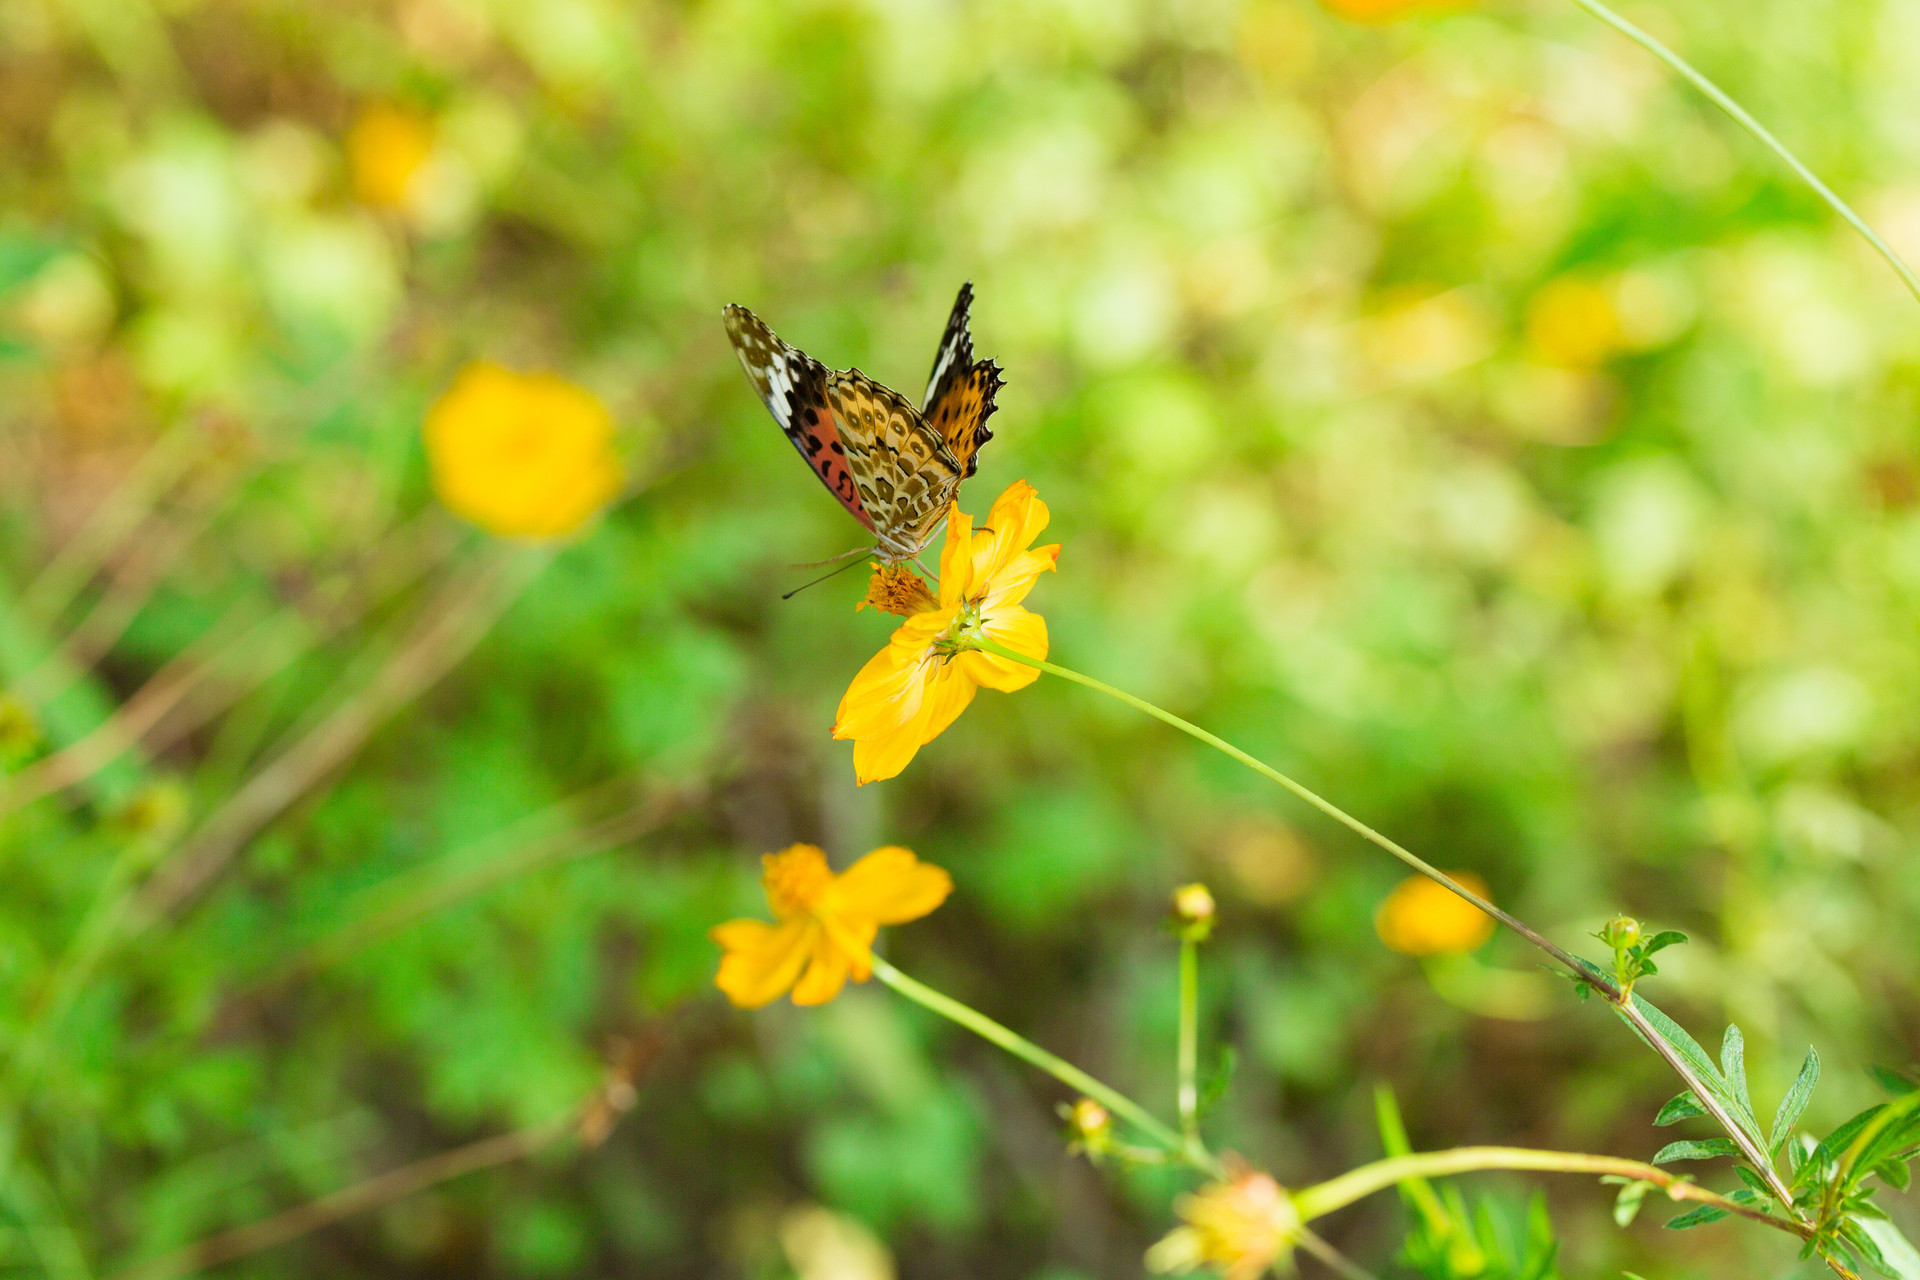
[(1089, 1128), (1620, 932), (1193, 912)]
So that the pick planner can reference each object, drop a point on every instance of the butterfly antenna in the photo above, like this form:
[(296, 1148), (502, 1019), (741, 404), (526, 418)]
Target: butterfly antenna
[(822, 578), (820, 564)]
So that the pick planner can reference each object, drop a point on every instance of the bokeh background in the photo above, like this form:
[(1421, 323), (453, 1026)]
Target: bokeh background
[(1455, 412)]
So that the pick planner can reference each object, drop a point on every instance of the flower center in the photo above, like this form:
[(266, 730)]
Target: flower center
[(795, 880)]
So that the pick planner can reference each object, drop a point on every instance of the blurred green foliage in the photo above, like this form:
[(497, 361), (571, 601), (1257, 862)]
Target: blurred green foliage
[(1457, 414)]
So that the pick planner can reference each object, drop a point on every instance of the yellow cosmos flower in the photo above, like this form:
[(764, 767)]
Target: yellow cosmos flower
[(825, 923), (1574, 323), (1239, 1227), (920, 683), (1422, 918), (386, 149), (521, 455)]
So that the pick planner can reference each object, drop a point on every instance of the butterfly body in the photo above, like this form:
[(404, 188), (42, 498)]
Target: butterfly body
[(896, 468)]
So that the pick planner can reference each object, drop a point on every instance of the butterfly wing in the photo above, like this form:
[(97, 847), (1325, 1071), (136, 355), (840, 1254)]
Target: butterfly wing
[(960, 390), (795, 388), (904, 471)]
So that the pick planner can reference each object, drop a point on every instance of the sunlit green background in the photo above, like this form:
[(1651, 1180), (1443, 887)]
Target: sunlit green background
[(1456, 413)]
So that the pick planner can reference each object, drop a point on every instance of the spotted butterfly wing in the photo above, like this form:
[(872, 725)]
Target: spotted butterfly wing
[(905, 473), (895, 467), (793, 386), (960, 390)]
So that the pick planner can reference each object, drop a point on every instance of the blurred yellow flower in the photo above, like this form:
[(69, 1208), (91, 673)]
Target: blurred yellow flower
[(1423, 918), (386, 149), (1239, 1227), (1574, 323), (920, 683), (825, 923), (521, 455), (1387, 10)]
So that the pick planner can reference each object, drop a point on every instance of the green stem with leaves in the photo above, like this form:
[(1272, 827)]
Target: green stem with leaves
[(1742, 117), (1628, 1008), (1355, 1184)]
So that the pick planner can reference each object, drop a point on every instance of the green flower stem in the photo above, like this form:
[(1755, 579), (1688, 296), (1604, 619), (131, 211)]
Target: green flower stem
[(1337, 1193), (1189, 1039), (1059, 1068), (1585, 974), (1741, 117)]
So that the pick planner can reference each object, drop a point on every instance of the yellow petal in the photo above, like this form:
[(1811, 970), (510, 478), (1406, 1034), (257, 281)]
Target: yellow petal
[(886, 692), (947, 694), (1012, 583), (762, 960), (1019, 629), (889, 886), (826, 974), (1016, 519), (878, 758), (956, 558)]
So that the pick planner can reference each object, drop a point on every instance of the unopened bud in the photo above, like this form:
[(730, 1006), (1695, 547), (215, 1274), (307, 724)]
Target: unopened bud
[(1620, 932), (1193, 911), (1089, 1128)]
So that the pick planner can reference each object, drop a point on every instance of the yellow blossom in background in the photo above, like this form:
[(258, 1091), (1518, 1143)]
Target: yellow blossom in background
[(521, 455), (1423, 918), (386, 150), (1574, 323), (1239, 1227), (920, 683), (824, 923), (1387, 10)]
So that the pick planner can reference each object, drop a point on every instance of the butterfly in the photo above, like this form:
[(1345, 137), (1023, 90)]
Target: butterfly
[(895, 467)]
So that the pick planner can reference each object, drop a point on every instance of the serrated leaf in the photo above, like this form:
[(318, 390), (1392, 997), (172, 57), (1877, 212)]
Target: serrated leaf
[(1684, 1107), (1696, 1217), (1696, 1149), (1689, 1052), (1733, 1065), (1798, 1094), (1661, 941), (1867, 1247), (1754, 1181)]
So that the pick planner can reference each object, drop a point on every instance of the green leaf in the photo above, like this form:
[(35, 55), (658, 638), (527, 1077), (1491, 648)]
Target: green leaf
[(1696, 1149), (1661, 941), (1754, 1181), (1733, 1065), (1697, 1217), (1626, 1206), (1795, 1102), (1684, 1107), (1894, 1173), (1893, 1081), (1902, 1260)]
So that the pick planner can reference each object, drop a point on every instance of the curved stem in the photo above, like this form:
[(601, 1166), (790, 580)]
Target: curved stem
[(1337, 1193), (1059, 1068), (1741, 117), (1345, 819), (1586, 973)]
